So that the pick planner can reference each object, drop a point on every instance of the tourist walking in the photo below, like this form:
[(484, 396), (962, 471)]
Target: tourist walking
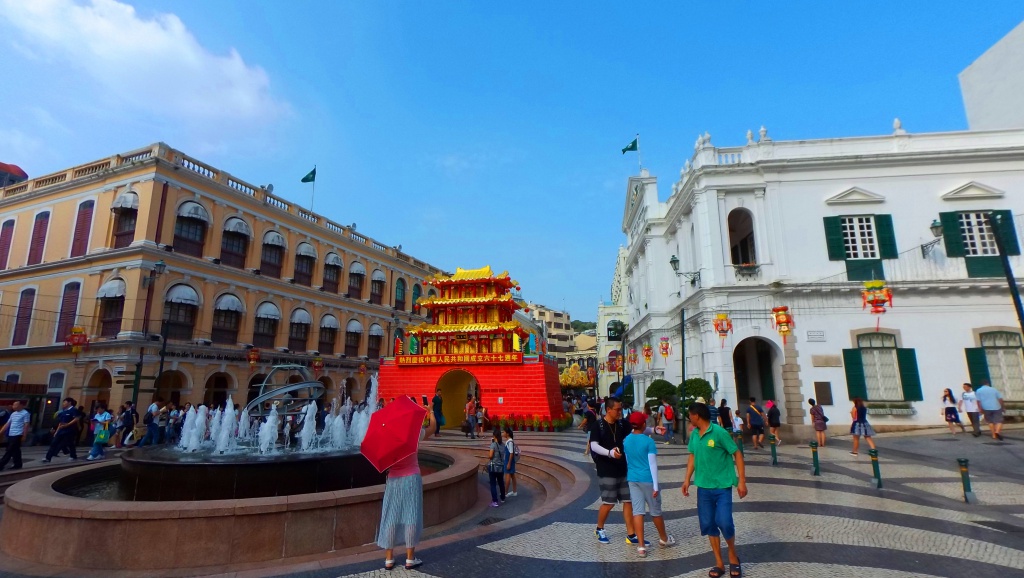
[(606, 437), (482, 419), (724, 416), (819, 421), (100, 430), (151, 418), (436, 405), (755, 423), (950, 412), (642, 477), (992, 406), (402, 507), (470, 413), (511, 457), (715, 467), (667, 417), (172, 423), (969, 404), (16, 428), (496, 469), (860, 426), (712, 409), (66, 431), (774, 420)]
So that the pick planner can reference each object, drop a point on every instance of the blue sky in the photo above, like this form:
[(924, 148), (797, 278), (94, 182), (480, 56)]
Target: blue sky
[(474, 133)]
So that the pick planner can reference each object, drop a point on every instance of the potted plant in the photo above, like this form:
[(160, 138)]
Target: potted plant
[(535, 423), (747, 268), (545, 425)]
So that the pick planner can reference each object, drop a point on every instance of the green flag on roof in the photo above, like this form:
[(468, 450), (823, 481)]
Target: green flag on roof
[(631, 146), (311, 176)]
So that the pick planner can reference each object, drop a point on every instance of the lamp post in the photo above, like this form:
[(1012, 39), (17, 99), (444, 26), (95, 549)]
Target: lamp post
[(674, 262), (996, 224), (147, 283)]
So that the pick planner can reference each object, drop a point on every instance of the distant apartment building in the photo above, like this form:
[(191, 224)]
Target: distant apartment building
[(558, 326), (153, 243)]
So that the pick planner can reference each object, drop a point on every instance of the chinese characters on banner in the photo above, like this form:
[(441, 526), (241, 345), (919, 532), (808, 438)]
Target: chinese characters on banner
[(442, 359)]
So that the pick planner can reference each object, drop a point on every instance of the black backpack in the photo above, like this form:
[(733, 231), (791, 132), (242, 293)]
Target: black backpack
[(148, 419)]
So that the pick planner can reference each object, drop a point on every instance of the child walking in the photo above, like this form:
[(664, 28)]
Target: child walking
[(642, 476)]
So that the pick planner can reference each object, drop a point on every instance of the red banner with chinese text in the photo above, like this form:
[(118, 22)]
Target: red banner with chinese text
[(451, 358)]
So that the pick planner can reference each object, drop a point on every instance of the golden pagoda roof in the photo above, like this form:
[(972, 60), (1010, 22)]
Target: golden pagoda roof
[(434, 300), (484, 273), (465, 328)]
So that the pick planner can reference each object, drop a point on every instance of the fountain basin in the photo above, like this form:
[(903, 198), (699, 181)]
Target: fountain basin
[(137, 535)]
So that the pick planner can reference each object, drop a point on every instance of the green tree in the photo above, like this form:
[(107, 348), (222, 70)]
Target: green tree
[(661, 389), (627, 394), (581, 326), (693, 388), (616, 329)]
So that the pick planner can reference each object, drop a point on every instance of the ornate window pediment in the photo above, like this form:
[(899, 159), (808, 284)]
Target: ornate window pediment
[(971, 191), (854, 196)]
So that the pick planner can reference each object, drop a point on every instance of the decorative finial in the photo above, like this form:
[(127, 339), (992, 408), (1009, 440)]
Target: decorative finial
[(750, 137), (700, 140), (897, 126), (687, 165), (764, 134), (707, 138)]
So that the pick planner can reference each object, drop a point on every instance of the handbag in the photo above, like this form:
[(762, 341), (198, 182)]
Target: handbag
[(442, 421), (102, 436)]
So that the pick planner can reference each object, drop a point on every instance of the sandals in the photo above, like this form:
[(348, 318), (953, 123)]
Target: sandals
[(716, 572), (735, 570), (389, 564), (642, 551), (410, 564)]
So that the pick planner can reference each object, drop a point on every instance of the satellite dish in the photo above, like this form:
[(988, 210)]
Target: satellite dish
[(270, 188)]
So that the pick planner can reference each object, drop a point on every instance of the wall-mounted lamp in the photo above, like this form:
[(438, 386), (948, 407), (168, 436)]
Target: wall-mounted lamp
[(936, 228), (692, 276), (158, 269)]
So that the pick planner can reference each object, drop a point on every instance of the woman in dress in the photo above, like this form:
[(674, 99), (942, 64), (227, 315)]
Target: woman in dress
[(819, 420), (402, 509), (860, 426), (951, 413)]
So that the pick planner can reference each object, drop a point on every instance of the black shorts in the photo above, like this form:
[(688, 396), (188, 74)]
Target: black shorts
[(757, 430)]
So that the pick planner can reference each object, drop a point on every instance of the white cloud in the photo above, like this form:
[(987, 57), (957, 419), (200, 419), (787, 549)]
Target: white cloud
[(141, 65)]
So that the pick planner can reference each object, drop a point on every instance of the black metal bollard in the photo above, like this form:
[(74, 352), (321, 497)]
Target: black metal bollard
[(816, 470), (874, 465), (775, 456), (965, 477)]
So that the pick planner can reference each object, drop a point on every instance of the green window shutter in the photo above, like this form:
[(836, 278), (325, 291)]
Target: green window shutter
[(977, 365), (864, 270), (1008, 233), (885, 234), (951, 236), (984, 266), (834, 239), (910, 378), (856, 384)]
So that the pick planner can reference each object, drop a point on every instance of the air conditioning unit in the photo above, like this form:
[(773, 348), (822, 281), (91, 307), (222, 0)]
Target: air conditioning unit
[(311, 352), (203, 342), (290, 279), (169, 248), (284, 350), (254, 271), (214, 260)]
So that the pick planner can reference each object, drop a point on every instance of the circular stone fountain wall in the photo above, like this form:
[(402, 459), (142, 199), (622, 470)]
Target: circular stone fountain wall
[(93, 531)]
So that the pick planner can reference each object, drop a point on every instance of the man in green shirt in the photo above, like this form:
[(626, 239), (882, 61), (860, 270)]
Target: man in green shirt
[(712, 453)]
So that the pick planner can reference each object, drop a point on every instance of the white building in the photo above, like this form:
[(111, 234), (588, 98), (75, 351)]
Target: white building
[(802, 224), (993, 84), (609, 342)]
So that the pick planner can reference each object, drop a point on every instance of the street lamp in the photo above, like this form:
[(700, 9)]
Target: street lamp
[(147, 283), (692, 276), (936, 228)]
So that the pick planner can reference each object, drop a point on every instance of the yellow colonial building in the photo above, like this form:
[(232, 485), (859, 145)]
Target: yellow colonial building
[(155, 243)]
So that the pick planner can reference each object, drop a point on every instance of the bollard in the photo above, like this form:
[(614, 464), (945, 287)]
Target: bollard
[(965, 477), (775, 457), (874, 465), (816, 470)]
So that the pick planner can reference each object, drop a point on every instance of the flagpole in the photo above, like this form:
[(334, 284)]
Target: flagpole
[(638, 160), (313, 194)]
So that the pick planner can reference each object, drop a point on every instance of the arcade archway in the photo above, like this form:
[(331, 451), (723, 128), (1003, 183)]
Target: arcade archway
[(169, 385), (217, 387), (757, 367), (254, 387), (454, 386)]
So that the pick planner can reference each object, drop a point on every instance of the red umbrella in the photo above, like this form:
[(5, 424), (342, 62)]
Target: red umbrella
[(394, 433)]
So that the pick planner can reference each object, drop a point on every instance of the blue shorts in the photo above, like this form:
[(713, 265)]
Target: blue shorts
[(714, 512)]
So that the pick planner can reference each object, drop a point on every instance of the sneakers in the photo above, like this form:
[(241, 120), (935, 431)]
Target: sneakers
[(602, 537), (495, 504), (853, 453), (635, 540), (44, 461), (410, 564), (510, 495), (667, 543)]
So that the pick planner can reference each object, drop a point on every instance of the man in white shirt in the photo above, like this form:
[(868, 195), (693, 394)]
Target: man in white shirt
[(16, 428), (969, 405)]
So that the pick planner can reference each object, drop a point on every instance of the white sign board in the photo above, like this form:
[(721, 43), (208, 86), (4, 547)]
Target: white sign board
[(815, 336)]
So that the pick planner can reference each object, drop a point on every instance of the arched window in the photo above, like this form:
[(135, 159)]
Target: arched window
[(273, 254), (264, 332), (83, 228), (328, 334), (6, 237), (417, 292), (180, 307), (298, 330), (234, 244), (26, 303), (356, 274), (377, 281), (227, 318), (38, 241), (1004, 363), (353, 335), (111, 298), (374, 342), (126, 214), (741, 237), (305, 262), (332, 273), (68, 311), (190, 229), (400, 295)]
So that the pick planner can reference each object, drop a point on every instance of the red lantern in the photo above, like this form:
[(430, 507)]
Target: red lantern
[(878, 296), (633, 357), (783, 321), (591, 374), (318, 365), (723, 326), (362, 368), (648, 352), (664, 348), (253, 357), (77, 340)]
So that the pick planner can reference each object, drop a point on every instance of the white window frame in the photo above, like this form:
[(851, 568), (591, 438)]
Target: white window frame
[(881, 366), (977, 235), (1005, 359), (63, 381), (860, 237)]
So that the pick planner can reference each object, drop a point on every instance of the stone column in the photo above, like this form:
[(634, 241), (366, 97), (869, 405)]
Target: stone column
[(791, 389)]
